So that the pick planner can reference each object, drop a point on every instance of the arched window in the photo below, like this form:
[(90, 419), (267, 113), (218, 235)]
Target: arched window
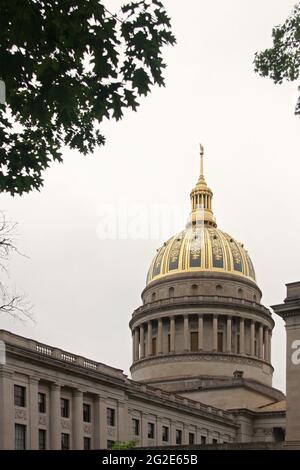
[(240, 292), (153, 297), (171, 292), (194, 289), (254, 298), (219, 288)]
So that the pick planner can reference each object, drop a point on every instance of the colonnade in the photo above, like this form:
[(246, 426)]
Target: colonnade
[(148, 337)]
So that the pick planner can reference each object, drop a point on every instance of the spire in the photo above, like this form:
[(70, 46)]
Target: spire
[(201, 199), (201, 161)]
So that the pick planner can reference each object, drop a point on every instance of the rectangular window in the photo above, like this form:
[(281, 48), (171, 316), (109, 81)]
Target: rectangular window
[(165, 434), (191, 438), (151, 430), (178, 436), (220, 341), (42, 402), (20, 436), (20, 395), (64, 406), (203, 439), (65, 441), (135, 427), (111, 417), (86, 413), (169, 342), (153, 346), (42, 439), (215, 441), (86, 443), (194, 341), (110, 444)]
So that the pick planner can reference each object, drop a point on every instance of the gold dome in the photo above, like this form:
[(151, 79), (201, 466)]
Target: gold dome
[(201, 247)]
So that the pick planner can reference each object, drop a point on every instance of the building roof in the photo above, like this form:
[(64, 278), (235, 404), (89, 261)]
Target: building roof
[(275, 406)]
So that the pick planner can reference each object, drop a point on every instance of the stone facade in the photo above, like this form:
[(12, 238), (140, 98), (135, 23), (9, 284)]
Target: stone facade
[(103, 405), (290, 312)]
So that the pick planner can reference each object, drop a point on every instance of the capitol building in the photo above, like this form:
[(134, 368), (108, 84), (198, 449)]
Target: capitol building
[(201, 372)]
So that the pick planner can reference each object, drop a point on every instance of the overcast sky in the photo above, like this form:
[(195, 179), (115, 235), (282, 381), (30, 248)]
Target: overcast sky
[(83, 287)]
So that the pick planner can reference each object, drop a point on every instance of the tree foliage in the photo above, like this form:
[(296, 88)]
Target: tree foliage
[(67, 66), (282, 61), (124, 445)]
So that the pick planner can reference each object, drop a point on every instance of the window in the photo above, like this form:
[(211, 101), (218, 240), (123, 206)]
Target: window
[(111, 417), (42, 439), (169, 342), (86, 443), (64, 406), (110, 444), (42, 402), (220, 341), (151, 430), (203, 440), (178, 436), (165, 434), (171, 292), (194, 289), (20, 395), (20, 436), (153, 346), (135, 427), (194, 341), (86, 413), (65, 441), (191, 438), (215, 441)]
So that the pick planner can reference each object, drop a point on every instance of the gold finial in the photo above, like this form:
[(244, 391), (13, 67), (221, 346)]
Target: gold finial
[(201, 160)]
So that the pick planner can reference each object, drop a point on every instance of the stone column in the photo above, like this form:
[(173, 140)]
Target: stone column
[(123, 421), (252, 338), (215, 333), (55, 426), (144, 429), (142, 341), (158, 435), (159, 336), (200, 332), (260, 341), (33, 413), (242, 336), (7, 411), (266, 343), (172, 334), (186, 333), (100, 428), (136, 344), (149, 339), (77, 420), (133, 346), (229, 330), (270, 345)]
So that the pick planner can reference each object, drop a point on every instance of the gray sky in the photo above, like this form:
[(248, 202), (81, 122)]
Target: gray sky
[(84, 288)]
